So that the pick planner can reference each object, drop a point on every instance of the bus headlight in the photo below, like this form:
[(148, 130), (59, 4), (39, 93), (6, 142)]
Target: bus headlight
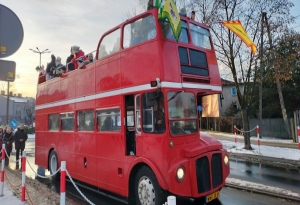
[(180, 173), (226, 160)]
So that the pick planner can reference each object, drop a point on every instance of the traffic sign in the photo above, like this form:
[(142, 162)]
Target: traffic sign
[(11, 31), (7, 70), (14, 124)]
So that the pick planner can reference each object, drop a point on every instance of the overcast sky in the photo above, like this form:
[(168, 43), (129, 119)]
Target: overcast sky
[(58, 24)]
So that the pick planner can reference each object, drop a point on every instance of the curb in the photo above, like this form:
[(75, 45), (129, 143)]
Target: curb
[(260, 191)]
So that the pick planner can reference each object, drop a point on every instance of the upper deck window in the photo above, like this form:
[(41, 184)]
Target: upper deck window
[(168, 33), (139, 31), (200, 36), (109, 44)]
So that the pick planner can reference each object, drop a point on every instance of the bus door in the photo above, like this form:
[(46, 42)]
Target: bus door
[(130, 125)]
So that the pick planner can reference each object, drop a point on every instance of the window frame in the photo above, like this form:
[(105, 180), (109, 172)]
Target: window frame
[(77, 120), (109, 131), (103, 38), (232, 91), (74, 124), (143, 41), (58, 122)]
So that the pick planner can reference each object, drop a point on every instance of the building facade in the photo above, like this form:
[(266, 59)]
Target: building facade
[(21, 109), (228, 99)]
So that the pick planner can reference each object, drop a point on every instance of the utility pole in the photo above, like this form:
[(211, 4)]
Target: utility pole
[(263, 14), (7, 104), (277, 80)]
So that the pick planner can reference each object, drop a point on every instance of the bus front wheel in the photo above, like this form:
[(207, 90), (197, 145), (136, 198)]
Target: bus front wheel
[(146, 188), (53, 164)]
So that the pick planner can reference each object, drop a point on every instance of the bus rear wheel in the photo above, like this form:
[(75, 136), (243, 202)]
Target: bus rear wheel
[(146, 188), (53, 164)]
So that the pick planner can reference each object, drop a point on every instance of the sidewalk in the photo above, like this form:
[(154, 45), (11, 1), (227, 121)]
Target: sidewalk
[(37, 193), (9, 198)]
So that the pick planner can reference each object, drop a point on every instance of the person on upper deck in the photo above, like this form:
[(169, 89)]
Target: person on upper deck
[(90, 59), (150, 5), (59, 69), (79, 56), (70, 66), (50, 66), (136, 37)]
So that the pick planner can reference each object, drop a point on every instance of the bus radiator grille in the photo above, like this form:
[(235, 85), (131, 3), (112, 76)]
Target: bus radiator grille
[(216, 169), (203, 176)]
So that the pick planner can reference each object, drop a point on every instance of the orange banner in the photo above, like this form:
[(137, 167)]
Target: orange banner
[(237, 28)]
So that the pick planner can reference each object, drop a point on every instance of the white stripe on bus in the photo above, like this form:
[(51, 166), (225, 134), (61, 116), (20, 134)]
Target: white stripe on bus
[(127, 90)]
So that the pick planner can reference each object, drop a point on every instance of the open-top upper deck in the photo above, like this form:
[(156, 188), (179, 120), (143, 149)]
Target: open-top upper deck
[(136, 52)]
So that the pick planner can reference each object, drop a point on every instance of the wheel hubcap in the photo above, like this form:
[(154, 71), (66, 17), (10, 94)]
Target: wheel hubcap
[(146, 191), (53, 163)]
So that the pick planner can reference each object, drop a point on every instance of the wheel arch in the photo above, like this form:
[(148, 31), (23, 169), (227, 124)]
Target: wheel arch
[(137, 165)]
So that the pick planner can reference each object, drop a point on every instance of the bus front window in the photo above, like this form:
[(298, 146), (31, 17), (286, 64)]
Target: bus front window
[(168, 33), (200, 36), (153, 112), (182, 113)]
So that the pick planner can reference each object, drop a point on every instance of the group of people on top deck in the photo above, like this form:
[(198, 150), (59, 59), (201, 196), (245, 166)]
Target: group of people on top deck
[(76, 60)]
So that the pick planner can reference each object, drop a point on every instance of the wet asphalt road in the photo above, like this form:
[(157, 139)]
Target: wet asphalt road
[(268, 175), (265, 174)]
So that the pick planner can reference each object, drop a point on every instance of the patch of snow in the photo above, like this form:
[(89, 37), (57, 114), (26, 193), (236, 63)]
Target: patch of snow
[(268, 151), (261, 187), (31, 136), (269, 139)]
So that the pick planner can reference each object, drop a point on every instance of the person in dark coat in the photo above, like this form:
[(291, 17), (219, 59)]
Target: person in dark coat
[(8, 140), (1, 137), (20, 139), (51, 66)]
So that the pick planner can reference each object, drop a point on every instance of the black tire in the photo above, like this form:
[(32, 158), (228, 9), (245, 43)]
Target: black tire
[(53, 164), (146, 188)]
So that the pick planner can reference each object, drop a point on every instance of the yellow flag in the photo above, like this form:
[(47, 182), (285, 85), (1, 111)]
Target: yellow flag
[(168, 10), (237, 28)]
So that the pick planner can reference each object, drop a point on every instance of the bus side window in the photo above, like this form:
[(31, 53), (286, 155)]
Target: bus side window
[(85, 120), (109, 120), (67, 121), (53, 122)]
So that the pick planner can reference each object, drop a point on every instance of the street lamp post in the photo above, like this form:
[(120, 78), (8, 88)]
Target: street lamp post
[(40, 52)]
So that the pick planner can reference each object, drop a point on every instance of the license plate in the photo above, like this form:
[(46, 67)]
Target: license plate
[(212, 196)]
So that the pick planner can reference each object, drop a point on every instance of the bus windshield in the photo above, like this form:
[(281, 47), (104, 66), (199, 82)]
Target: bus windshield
[(200, 36), (168, 33), (181, 106)]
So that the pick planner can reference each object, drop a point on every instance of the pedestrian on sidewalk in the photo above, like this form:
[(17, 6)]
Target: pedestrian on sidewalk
[(8, 140), (20, 139), (1, 136)]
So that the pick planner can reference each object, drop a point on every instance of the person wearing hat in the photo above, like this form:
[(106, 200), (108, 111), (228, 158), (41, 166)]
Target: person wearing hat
[(59, 68), (79, 56)]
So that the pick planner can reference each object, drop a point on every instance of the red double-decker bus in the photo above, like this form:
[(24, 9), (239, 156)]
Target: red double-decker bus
[(128, 123)]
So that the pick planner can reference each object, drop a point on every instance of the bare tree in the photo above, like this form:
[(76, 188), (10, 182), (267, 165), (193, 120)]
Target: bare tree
[(230, 50), (3, 86)]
